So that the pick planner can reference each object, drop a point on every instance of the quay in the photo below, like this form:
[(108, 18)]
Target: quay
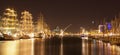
[(114, 40)]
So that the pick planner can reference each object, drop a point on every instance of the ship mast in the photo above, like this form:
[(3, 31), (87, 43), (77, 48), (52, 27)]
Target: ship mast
[(42, 27)]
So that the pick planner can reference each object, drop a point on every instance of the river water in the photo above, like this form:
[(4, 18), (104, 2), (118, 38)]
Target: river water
[(58, 46)]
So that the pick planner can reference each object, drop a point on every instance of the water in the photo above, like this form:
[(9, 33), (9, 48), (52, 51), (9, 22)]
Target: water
[(57, 46)]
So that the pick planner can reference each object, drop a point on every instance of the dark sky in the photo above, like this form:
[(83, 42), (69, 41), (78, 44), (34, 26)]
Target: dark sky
[(79, 13)]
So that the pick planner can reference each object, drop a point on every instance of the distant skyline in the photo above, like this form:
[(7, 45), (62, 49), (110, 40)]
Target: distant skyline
[(79, 13)]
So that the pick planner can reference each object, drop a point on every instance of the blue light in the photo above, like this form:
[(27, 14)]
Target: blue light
[(109, 26)]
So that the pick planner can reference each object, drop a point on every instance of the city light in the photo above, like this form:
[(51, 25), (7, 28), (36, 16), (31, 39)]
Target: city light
[(24, 26)]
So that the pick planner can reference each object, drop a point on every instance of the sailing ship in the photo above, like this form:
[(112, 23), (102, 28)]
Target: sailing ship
[(42, 28), (9, 23), (26, 25)]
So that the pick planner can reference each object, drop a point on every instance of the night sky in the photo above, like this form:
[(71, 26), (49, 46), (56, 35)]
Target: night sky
[(79, 13)]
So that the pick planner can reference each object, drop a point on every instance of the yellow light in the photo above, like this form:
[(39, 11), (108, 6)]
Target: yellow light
[(8, 9), (31, 35)]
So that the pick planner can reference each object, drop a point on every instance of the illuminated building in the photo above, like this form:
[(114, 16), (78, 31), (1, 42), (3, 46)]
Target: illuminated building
[(57, 30), (101, 28), (9, 21), (26, 23)]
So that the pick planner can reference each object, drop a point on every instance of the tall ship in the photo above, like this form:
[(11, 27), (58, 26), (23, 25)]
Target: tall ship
[(42, 28), (26, 24), (9, 22)]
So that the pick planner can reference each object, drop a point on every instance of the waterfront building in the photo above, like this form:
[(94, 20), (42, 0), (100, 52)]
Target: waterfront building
[(101, 28), (57, 30)]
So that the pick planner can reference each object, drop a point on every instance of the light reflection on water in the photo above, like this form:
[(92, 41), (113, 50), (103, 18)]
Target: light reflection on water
[(57, 47), (26, 47), (9, 47), (92, 47)]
